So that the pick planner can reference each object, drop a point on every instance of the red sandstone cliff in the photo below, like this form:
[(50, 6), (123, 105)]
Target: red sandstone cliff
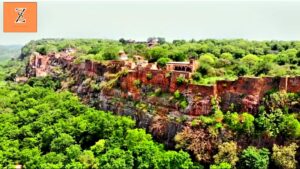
[(245, 92)]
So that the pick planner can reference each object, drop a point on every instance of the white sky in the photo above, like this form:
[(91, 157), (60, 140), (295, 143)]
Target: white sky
[(258, 20)]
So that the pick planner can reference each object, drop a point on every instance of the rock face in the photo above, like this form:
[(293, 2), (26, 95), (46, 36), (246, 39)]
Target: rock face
[(145, 93), (246, 92)]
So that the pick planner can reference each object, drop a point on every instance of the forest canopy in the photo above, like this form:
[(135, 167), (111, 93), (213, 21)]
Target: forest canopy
[(41, 128)]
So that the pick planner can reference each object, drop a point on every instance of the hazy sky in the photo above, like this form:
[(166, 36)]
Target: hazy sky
[(267, 20)]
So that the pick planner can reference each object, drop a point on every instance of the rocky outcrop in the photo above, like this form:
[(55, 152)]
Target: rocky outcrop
[(245, 92), (144, 93)]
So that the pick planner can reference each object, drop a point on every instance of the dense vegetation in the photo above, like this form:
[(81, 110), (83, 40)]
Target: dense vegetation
[(10, 66), (219, 59), (63, 133), (44, 129), (9, 69), (268, 139)]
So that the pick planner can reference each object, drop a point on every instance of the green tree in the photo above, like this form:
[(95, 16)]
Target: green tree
[(99, 147), (222, 165), (60, 143), (290, 126), (176, 160), (116, 159), (163, 61), (196, 76), (247, 123), (250, 60), (178, 56), (208, 58), (88, 159), (111, 53), (269, 122), (240, 122), (227, 56), (73, 152), (253, 158), (155, 53)]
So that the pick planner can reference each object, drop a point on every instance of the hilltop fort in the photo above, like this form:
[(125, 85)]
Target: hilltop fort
[(146, 92)]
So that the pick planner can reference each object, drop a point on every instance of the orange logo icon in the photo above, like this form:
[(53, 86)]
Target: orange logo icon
[(20, 16)]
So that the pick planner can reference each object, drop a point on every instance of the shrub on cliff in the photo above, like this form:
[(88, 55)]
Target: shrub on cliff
[(290, 126), (247, 123), (228, 153), (137, 83), (268, 123), (177, 94), (46, 49), (284, 156), (281, 100), (183, 104), (149, 76), (180, 80), (196, 76), (243, 123), (253, 158), (198, 141)]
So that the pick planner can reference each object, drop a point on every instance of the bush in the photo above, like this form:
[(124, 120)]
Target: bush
[(156, 53), (177, 94), (253, 158), (183, 104), (243, 123), (163, 61), (247, 123), (178, 56), (208, 58), (218, 116), (284, 156), (227, 56), (222, 165), (111, 53), (269, 122), (196, 76), (207, 120), (137, 83), (227, 153), (149, 76), (180, 80), (250, 60), (290, 126)]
